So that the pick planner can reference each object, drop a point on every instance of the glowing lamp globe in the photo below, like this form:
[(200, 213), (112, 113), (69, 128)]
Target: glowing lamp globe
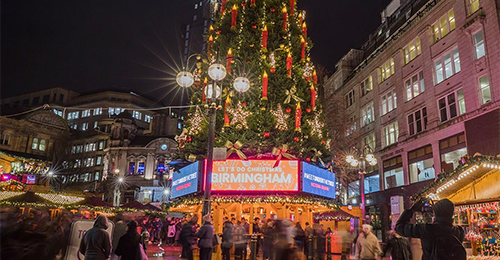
[(349, 158), (355, 163), (209, 91), (185, 79), (217, 72), (241, 84)]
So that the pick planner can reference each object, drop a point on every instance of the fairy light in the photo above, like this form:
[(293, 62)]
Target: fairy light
[(316, 125), (239, 115), (60, 199), (280, 118), (9, 194), (195, 121)]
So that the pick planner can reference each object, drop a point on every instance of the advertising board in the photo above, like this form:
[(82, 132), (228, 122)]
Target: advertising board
[(78, 229), (185, 181), (255, 175), (318, 181)]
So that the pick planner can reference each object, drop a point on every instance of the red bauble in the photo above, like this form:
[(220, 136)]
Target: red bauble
[(308, 110), (323, 141), (189, 139), (244, 104), (254, 26), (219, 32), (272, 70), (308, 159), (308, 78), (243, 4), (288, 110), (267, 134), (296, 139), (273, 10)]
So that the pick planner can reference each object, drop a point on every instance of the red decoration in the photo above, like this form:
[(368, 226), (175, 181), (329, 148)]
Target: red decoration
[(209, 46), (204, 98), (308, 78), (219, 31), (303, 52), (264, 38), (273, 10), (244, 104), (313, 97), (288, 110), (301, 18), (304, 29), (292, 6), (223, 6), (267, 134), (298, 115), (234, 14), (264, 86), (296, 139), (254, 26), (189, 139), (226, 117), (308, 159), (228, 60), (315, 77), (272, 70), (289, 65), (285, 17), (323, 141), (252, 3), (243, 4), (308, 110)]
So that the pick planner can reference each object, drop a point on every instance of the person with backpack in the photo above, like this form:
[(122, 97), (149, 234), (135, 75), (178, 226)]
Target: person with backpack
[(399, 248), (129, 245), (441, 240), (206, 236)]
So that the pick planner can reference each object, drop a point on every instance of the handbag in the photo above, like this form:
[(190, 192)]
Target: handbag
[(140, 253), (216, 240)]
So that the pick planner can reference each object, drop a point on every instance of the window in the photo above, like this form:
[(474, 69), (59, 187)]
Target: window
[(417, 121), (73, 126), (366, 86), (61, 97), (484, 84), (147, 118), (390, 134), (414, 85), (35, 101), (97, 111), (386, 70), (389, 102), (352, 126), (57, 112), (479, 44), (95, 124), (421, 164), (451, 160), (101, 145), (96, 176), (137, 115), (98, 160), (85, 126), (447, 66), (41, 147), (179, 126), (73, 115), (141, 168), (45, 99), (5, 139), (451, 105), (394, 178), (473, 6), (34, 144), (115, 111), (131, 168), (443, 26), (367, 114), (86, 113), (412, 50), (372, 184), (370, 141), (349, 99), (353, 189)]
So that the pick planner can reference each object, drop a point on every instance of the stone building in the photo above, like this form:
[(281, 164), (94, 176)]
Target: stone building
[(422, 92)]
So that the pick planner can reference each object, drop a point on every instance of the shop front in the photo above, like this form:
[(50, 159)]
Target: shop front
[(473, 187)]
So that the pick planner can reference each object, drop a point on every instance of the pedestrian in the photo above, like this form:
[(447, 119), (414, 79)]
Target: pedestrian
[(206, 236), (227, 239), (96, 243), (170, 232), (298, 237), (320, 242), (119, 230), (441, 239), (130, 244), (240, 242), (399, 248), (268, 240), (308, 231), (367, 246), (178, 228), (188, 238), (257, 230), (156, 228)]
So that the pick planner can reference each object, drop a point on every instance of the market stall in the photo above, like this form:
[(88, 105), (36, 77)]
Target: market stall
[(473, 187)]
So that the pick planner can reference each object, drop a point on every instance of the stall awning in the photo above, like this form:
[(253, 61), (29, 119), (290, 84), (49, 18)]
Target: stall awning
[(476, 179)]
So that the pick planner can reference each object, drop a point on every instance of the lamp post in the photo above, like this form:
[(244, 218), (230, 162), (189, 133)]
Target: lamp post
[(359, 163), (217, 72)]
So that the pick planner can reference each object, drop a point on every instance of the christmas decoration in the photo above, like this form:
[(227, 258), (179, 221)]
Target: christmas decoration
[(338, 215), (316, 126), (272, 62), (264, 38), (239, 116), (226, 117), (285, 18), (292, 6), (291, 94), (313, 97), (298, 115), (181, 139), (315, 77), (229, 60), (289, 65), (288, 110), (195, 122), (296, 139), (303, 51), (280, 118), (308, 110), (209, 45), (223, 7), (234, 14), (252, 3), (267, 134), (235, 148), (281, 152), (204, 98), (264, 86), (304, 29)]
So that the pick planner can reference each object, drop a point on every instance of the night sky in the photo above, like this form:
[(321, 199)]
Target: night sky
[(90, 45)]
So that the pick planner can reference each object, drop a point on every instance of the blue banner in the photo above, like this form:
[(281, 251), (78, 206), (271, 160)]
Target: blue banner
[(318, 181), (185, 181)]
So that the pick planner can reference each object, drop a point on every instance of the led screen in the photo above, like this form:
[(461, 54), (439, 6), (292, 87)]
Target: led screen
[(185, 181), (318, 181)]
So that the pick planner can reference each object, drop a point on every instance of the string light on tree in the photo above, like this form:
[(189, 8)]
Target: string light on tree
[(280, 118), (239, 116), (195, 121), (316, 126)]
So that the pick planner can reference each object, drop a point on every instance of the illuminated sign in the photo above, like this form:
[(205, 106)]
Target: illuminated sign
[(185, 181), (318, 181), (255, 175)]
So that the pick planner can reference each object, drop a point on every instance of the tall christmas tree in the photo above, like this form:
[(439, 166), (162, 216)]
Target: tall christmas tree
[(266, 41)]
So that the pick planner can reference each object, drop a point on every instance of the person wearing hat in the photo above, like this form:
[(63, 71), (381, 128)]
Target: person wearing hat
[(428, 233), (96, 243), (367, 246), (128, 245)]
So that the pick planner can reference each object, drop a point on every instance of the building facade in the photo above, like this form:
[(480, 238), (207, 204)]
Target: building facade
[(423, 92)]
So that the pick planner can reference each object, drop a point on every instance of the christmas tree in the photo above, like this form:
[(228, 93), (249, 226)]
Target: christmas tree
[(265, 41)]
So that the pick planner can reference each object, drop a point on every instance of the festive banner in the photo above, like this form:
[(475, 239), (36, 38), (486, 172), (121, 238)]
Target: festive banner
[(255, 175), (78, 229)]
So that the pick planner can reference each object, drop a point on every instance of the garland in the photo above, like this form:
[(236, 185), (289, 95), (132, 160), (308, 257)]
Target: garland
[(333, 216), (482, 207)]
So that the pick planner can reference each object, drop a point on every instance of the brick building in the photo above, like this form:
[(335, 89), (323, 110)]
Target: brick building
[(422, 92)]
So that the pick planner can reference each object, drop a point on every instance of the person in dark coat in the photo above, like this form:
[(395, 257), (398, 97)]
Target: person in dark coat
[(320, 242), (96, 243), (227, 239), (206, 236), (443, 223), (128, 245), (188, 238), (399, 248)]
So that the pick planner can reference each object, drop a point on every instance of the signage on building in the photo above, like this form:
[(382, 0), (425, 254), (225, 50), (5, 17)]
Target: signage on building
[(255, 175), (185, 181), (318, 181), (78, 229)]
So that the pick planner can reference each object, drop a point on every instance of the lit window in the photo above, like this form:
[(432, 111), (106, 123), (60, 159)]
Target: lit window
[(394, 178), (372, 183), (86, 113), (95, 124), (97, 111), (447, 66), (147, 118), (473, 6), (389, 102), (96, 176), (479, 44), (386, 70), (73, 115), (137, 115), (366, 85), (367, 114), (349, 99), (417, 121), (451, 105), (41, 147), (390, 134), (34, 145), (443, 26), (101, 145), (351, 128), (484, 84), (369, 141), (414, 85), (412, 50), (85, 126)]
